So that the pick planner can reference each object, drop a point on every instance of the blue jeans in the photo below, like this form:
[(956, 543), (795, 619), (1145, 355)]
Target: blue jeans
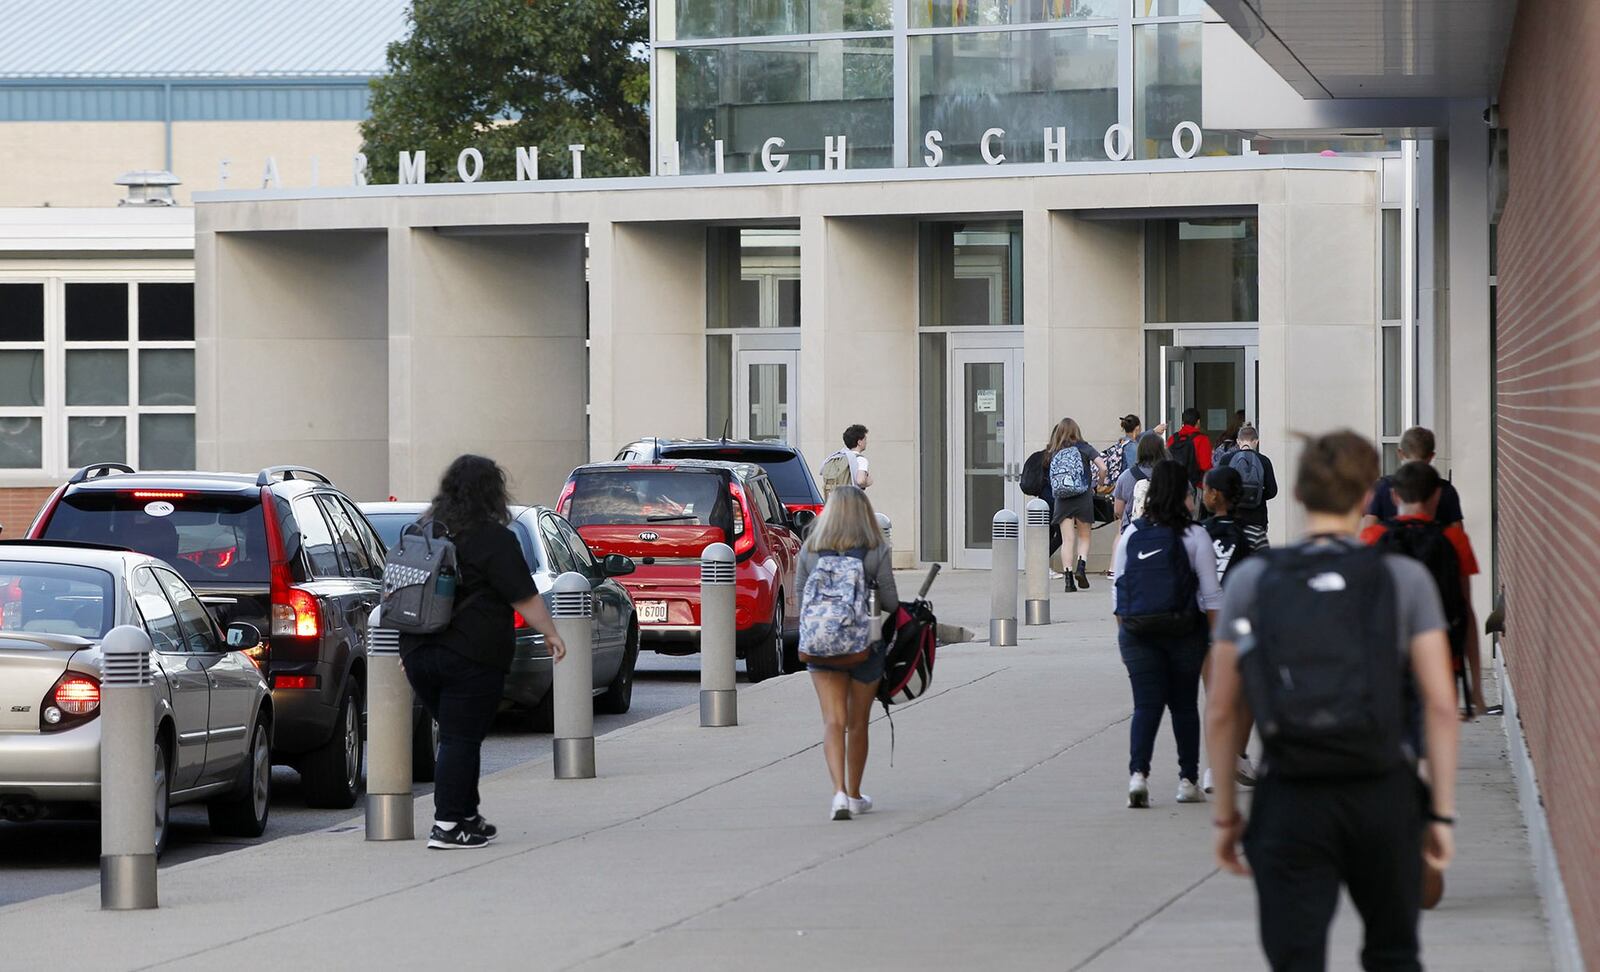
[(463, 696), (1165, 674)]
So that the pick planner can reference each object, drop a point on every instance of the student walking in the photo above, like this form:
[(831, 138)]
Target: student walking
[(1229, 541), (1190, 446), (1257, 485), (1133, 486), (1075, 468), (848, 466), (844, 557), (1166, 594), (1315, 640), (1416, 445), (459, 673)]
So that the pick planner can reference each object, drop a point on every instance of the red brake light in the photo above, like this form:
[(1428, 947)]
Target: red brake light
[(77, 695), (294, 611), (284, 681), (744, 540), (655, 465), (518, 621), (566, 494), (155, 494)]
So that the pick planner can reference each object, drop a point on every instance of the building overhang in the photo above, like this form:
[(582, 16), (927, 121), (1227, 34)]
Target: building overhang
[(111, 231)]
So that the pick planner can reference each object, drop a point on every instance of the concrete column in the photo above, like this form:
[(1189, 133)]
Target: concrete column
[(858, 352)]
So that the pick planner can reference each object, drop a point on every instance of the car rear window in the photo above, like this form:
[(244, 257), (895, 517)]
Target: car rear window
[(61, 599), (788, 474), (389, 525), (649, 495), (209, 538)]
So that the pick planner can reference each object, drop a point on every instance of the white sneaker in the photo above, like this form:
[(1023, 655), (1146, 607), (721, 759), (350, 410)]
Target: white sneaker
[(1189, 793), (1138, 792), (1205, 782), (841, 806), (1056, 575), (860, 805), (1244, 773)]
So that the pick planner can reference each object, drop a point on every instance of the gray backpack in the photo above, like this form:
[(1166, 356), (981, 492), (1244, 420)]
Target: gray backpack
[(419, 580), (1248, 464)]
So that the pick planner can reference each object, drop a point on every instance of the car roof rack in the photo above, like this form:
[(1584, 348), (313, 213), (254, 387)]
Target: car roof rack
[(273, 474), (96, 470)]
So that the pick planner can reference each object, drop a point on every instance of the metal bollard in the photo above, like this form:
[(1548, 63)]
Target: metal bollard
[(572, 608), (391, 809), (128, 752), (1003, 578), (719, 702), (885, 527), (1036, 560)]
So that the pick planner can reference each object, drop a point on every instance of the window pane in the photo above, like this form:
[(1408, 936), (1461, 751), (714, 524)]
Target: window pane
[(1391, 265), (97, 312), (97, 377), (315, 538), (166, 442), (998, 13), (21, 442), (1166, 91), (1392, 385), (754, 18), (22, 378), (749, 269), (166, 312), (933, 418), (96, 438), (1200, 270), (165, 377), (22, 312), (972, 273), (1022, 82), (1169, 8), (801, 92)]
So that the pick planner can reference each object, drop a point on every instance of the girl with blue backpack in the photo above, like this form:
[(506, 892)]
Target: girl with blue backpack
[(1166, 597), (844, 558)]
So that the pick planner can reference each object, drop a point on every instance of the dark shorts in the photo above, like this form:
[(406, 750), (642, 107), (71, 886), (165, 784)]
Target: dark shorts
[(867, 672), (1080, 508)]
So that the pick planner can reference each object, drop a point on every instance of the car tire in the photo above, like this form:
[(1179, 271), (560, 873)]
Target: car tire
[(332, 772), (764, 658), (163, 796), (791, 653), (244, 812), (618, 696), (424, 748)]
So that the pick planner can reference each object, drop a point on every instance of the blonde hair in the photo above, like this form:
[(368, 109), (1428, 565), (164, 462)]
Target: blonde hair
[(1066, 433), (846, 523)]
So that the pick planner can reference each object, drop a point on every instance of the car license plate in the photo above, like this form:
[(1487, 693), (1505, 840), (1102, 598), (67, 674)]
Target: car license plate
[(652, 612)]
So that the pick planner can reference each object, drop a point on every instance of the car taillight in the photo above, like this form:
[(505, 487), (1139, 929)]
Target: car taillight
[(75, 698), (11, 606), (566, 495), (297, 615), (155, 494), (744, 539)]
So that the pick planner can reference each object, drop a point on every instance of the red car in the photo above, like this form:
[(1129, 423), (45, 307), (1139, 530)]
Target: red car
[(664, 514)]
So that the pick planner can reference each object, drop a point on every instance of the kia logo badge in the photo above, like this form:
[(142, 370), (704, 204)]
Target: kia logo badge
[(649, 536)]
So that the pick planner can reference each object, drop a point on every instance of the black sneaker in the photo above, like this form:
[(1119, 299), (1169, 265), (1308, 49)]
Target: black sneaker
[(1070, 588), (460, 837), (484, 827), (1083, 575)]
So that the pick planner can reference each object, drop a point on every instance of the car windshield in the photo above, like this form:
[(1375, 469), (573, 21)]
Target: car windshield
[(389, 525), (60, 599), (209, 538), (786, 470), (665, 495)]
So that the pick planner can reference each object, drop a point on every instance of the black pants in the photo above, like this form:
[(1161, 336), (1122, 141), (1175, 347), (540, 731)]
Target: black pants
[(1164, 673), (1306, 839), (463, 696)]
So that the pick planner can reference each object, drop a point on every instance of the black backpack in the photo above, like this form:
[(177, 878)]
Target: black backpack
[(1424, 541), (1182, 450), (1035, 479), (1155, 589), (1322, 668)]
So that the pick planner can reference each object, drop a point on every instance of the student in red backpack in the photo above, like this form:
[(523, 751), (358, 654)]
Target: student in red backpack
[(1192, 447)]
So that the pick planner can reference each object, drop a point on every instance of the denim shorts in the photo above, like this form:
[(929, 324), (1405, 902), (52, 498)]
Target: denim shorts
[(867, 672)]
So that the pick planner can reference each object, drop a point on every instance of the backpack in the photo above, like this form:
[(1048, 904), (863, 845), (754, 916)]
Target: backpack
[(836, 472), (1156, 585), (1035, 481), (908, 662), (420, 574), (1424, 541), (1182, 449), (1229, 540), (1115, 458), (1224, 449), (1141, 490), (835, 619), (1322, 670), (1068, 477), (1248, 464)]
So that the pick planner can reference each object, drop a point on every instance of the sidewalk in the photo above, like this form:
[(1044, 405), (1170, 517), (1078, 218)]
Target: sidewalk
[(1001, 841)]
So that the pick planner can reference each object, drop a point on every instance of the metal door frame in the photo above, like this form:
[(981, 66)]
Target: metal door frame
[(743, 358), (1006, 351)]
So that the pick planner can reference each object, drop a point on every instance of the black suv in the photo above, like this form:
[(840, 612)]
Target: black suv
[(282, 549), (784, 465)]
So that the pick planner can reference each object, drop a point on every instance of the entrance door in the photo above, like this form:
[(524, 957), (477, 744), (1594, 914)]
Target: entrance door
[(987, 450), (1210, 370), (1216, 379), (764, 386)]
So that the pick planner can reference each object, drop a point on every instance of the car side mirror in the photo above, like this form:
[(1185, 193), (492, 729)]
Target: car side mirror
[(243, 636), (801, 521), (616, 565)]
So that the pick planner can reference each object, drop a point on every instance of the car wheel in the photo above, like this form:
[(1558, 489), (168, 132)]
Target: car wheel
[(764, 660), (618, 696), (244, 812), (424, 748), (332, 773), (163, 796)]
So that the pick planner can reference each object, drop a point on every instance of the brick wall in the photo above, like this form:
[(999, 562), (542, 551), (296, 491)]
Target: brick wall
[(17, 507), (1547, 381)]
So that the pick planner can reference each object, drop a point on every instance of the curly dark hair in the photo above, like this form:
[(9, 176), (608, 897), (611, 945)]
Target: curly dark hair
[(1167, 502), (472, 493)]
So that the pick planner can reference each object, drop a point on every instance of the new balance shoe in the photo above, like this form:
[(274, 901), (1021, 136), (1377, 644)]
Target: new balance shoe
[(1189, 793), (459, 837), (860, 805), (841, 806), (1138, 792), (484, 827)]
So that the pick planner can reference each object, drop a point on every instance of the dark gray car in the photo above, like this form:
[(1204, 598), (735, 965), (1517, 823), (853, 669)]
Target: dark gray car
[(552, 547)]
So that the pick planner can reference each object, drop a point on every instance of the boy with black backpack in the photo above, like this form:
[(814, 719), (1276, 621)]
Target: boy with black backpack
[(1192, 447), (1314, 641), (1257, 485)]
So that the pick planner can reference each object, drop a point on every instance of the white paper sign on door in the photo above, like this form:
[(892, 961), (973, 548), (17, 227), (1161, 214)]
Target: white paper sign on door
[(986, 400)]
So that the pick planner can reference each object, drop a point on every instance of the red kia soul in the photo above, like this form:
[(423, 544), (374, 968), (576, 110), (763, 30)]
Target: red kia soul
[(663, 515)]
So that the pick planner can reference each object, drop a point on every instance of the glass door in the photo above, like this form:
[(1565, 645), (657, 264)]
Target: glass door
[(986, 451), (1174, 386), (765, 382), (1217, 377)]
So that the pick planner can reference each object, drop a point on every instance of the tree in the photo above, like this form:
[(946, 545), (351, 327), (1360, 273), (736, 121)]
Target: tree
[(498, 74)]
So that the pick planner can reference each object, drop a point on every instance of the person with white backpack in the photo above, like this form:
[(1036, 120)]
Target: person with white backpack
[(1075, 469), (844, 558), (1128, 495)]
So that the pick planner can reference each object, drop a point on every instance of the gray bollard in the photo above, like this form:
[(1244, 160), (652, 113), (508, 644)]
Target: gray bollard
[(719, 702), (391, 809), (1036, 558), (128, 752), (1003, 579), (572, 607)]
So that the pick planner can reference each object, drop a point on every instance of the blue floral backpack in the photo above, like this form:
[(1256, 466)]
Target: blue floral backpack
[(835, 612)]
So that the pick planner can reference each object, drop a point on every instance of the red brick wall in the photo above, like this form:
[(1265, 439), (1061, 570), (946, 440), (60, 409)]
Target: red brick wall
[(17, 507), (1547, 380)]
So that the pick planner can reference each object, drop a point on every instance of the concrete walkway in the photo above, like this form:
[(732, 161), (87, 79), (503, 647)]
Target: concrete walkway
[(1001, 842)]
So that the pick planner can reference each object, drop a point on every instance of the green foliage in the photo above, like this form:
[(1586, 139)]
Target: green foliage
[(498, 74)]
